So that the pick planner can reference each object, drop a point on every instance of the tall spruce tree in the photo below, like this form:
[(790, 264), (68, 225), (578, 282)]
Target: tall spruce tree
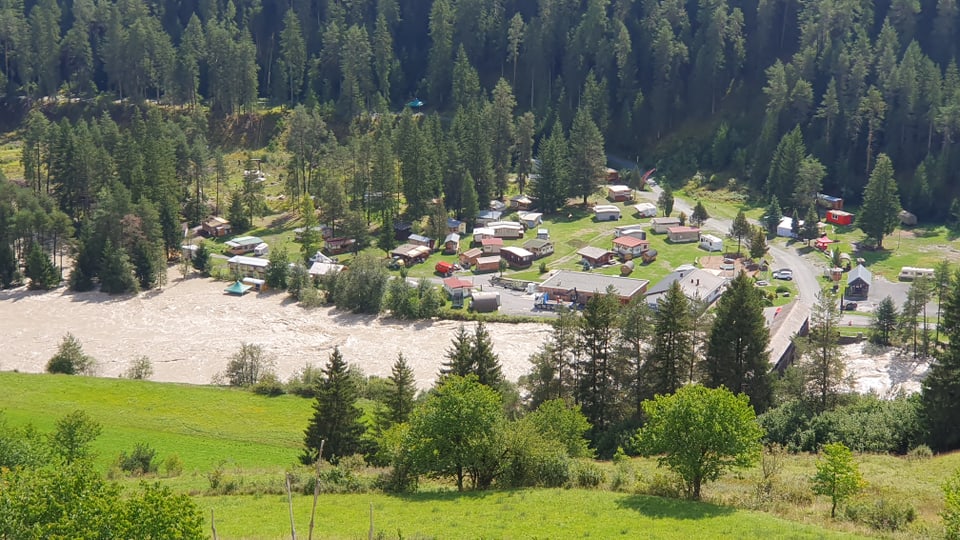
[(940, 407), (587, 158), (773, 216), (596, 383), (551, 186), (822, 363), (737, 356), (401, 392), (486, 363), (672, 342), (336, 418), (740, 228), (884, 322), (878, 215), (459, 355)]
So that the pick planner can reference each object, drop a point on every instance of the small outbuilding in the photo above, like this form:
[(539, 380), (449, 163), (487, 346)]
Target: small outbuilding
[(858, 282), (539, 247), (410, 254), (595, 256), (322, 268), (470, 256), (710, 243), (648, 256), (619, 193), (521, 202), (543, 234), (661, 224), (456, 226), (455, 286), (530, 220), (839, 217), (487, 264), (401, 230), (629, 247), (785, 227), (630, 230), (506, 229), (907, 218), (215, 227), (491, 245), (517, 257), (606, 212), (336, 246), (487, 216), (480, 233), (826, 201), (680, 235), (645, 210), (420, 240), (451, 244), (242, 244), (485, 302)]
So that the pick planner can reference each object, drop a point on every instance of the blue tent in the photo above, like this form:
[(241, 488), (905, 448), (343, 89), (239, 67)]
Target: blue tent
[(415, 103), (238, 288)]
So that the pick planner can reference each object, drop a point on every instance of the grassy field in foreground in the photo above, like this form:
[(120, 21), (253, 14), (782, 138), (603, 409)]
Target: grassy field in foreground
[(544, 513), (203, 425)]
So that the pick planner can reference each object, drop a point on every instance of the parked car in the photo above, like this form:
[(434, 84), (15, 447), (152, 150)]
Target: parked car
[(762, 283), (850, 306), (785, 274)]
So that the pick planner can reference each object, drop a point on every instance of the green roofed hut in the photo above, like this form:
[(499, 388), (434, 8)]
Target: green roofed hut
[(238, 288)]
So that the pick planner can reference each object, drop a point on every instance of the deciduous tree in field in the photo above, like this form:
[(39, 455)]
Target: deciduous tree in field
[(838, 476), (700, 433)]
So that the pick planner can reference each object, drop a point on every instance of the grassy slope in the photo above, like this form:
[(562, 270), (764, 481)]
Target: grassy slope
[(204, 425), (544, 513)]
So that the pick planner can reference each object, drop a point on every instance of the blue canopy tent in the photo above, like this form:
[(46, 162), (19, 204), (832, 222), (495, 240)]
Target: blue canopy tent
[(415, 103), (238, 288)]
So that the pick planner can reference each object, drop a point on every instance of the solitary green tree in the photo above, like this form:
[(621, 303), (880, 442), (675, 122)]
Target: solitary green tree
[(699, 216), (73, 436), (838, 476), (884, 322), (401, 391), (699, 433), (758, 243), (740, 228), (881, 203), (457, 433), (737, 356), (773, 216), (70, 358), (336, 421), (822, 363), (665, 200)]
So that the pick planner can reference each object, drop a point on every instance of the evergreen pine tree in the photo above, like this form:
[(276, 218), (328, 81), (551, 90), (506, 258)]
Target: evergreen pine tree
[(665, 201), (699, 215), (811, 231), (737, 356), (401, 392), (486, 363), (336, 417), (822, 363), (40, 270), (740, 228), (8, 265), (201, 258), (278, 270), (884, 322), (773, 216), (596, 384), (758, 243), (878, 215), (939, 404), (116, 272), (459, 356), (672, 342)]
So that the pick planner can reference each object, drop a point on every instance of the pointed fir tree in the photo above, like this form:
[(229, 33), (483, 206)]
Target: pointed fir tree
[(822, 362), (401, 392), (336, 417), (596, 374), (665, 201), (699, 216), (884, 322), (811, 229), (459, 356), (672, 342), (737, 356), (41, 272), (486, 363), (740, 228), (773, 216), (878, 215), (116, 272)]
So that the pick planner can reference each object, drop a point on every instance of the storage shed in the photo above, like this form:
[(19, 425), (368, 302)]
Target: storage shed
[(517, 257), (679, 235), (839, 217), (907, 218), (530, 220), (858, 282), (619, 193), (451, 244), (539, 247), (595, 256), (826, 201), (661, 224), (488, 264), (470, 256), (485, 302)]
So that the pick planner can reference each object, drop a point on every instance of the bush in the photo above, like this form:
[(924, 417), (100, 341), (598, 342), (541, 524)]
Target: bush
[(662, 484), (269, 385), (140, 369), (221, 483), (304, 381), (70, 358), (248, 365), (173, 465), (587, 474), (882, 514), (919, 453), (543, 267), (140, 461), (312, 297)]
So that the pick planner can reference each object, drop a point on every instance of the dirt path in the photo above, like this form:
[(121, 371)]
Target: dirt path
[(191, 328)]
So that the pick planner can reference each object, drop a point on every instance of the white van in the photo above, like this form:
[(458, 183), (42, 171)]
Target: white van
[(910, 273)]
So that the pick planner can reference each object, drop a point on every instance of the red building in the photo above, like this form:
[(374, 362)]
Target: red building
[(839, 217)]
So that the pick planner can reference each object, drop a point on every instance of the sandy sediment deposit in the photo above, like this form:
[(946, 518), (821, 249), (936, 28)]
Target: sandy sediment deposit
[(190, 329)]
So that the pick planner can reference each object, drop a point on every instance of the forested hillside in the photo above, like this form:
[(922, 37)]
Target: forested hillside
[(721, 81)]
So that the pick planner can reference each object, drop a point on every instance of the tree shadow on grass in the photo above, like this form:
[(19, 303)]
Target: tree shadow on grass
[(447, 496), (657, 507)]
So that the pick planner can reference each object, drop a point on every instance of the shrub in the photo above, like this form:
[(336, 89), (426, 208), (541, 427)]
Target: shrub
[(782, 289), (140, 461), (882, 514), (587, 474), (269, 385), (663, 484), (543, 267), (920, 452), (140, 369), (304, 381), (70, 358), (221, 483), (248, 365), (173, 465), (312, 297)]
